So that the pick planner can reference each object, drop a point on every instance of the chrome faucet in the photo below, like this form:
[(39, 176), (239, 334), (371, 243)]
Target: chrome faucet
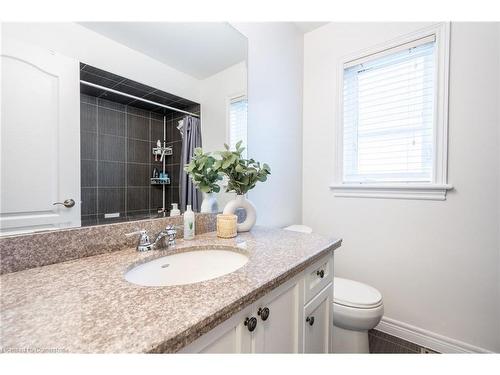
[(169, 232), (145, 243)]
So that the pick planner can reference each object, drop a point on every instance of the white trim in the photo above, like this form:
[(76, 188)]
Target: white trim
[(436, 190), (427, 339), (391, 50)]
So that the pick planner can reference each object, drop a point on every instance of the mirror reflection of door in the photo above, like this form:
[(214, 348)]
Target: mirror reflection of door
[(39, 139)]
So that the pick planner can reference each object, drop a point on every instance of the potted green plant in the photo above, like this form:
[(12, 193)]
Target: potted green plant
[(205, 177), (243, 174)]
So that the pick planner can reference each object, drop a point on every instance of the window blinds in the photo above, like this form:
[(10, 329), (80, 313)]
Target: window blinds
[(238, 122), (388, 116)]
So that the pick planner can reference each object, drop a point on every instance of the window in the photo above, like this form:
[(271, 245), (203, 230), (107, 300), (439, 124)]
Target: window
[(238, 122), (392, 134)]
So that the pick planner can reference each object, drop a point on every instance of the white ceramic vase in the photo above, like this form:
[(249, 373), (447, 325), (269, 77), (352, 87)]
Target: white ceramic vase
[(209, 203), (242, 202)]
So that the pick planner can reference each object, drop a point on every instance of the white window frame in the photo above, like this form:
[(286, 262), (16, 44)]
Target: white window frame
[(437, 188)]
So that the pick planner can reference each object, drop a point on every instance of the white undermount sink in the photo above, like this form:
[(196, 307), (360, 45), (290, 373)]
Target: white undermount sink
[(186, 267)]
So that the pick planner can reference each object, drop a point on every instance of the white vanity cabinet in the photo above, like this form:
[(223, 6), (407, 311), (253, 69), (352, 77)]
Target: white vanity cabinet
[(280, 322)]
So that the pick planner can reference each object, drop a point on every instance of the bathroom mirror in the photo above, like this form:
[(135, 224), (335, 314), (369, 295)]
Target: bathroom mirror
[(98, 118)]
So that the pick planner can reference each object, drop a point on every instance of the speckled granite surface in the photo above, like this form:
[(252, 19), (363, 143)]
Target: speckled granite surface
[(86, 305), (21, 252)]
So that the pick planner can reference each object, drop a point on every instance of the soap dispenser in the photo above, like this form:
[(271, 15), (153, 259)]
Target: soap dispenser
[(188, 223), (175, 210)]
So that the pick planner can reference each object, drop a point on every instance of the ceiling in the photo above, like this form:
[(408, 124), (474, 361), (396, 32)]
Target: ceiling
[(102, 78), (305, 27), (199, 49)]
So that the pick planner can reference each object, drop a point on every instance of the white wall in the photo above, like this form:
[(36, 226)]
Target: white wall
[(78, 42), (436, 263), (215, 92), (275, 61)]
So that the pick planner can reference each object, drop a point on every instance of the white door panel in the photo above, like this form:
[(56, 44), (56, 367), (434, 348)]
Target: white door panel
[(40, 139)]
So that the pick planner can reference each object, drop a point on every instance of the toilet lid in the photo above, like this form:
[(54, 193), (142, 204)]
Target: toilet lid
[(355, 294)]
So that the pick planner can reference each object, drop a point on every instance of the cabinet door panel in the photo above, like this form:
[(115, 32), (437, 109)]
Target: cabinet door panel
[(232, 336), (319, 313), (227, 343), (279, 332)]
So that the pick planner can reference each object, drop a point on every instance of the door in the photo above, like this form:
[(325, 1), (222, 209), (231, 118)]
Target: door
[(318, 322), (278, 321), (40, 139)]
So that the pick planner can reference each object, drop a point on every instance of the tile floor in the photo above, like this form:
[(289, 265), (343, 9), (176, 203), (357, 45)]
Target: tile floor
[(381, 342)]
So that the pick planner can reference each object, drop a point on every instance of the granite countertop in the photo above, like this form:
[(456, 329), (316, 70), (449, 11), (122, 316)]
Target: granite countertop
[(86, 305)]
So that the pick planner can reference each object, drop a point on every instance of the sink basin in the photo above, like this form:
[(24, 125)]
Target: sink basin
[(186, 267)]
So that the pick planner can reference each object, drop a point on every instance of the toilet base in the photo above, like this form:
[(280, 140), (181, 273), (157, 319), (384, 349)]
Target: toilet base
[(347, 341)]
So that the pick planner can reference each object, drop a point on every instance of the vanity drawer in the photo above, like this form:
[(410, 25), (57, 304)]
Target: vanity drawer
[(317, 276)]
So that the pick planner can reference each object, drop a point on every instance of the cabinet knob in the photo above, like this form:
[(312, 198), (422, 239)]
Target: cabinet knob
[(251, 323), (320, 273), (263, 313), (310, 320)]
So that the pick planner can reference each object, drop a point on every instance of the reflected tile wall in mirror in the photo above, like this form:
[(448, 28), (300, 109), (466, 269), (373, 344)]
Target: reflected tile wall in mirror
[(117, 161)]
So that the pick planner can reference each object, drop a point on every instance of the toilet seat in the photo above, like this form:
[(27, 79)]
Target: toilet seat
[(354, 294)]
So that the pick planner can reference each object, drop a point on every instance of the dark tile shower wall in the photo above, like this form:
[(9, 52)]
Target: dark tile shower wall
[(117, 160)]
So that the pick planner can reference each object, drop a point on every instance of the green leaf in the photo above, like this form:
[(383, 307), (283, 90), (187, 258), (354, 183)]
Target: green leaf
[(243, 174), (217, 164), (205, 189)]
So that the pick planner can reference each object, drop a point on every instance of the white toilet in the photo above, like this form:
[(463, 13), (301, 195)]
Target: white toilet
[(357, 308)]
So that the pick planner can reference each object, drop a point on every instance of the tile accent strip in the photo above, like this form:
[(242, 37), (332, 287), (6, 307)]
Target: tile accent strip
[(21, 252)]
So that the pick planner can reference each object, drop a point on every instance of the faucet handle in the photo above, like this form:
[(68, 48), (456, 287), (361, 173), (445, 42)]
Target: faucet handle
[(171, 233), (143, 236), (171, 228)]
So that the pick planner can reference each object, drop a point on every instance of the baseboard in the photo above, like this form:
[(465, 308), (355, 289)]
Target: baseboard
[(422, 337)]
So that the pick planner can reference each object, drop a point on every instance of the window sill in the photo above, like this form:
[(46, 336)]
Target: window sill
[(436, 192)]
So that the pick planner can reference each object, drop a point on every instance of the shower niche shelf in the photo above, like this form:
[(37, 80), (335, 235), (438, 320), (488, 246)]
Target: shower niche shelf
[(165, 151), (160, 181)]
